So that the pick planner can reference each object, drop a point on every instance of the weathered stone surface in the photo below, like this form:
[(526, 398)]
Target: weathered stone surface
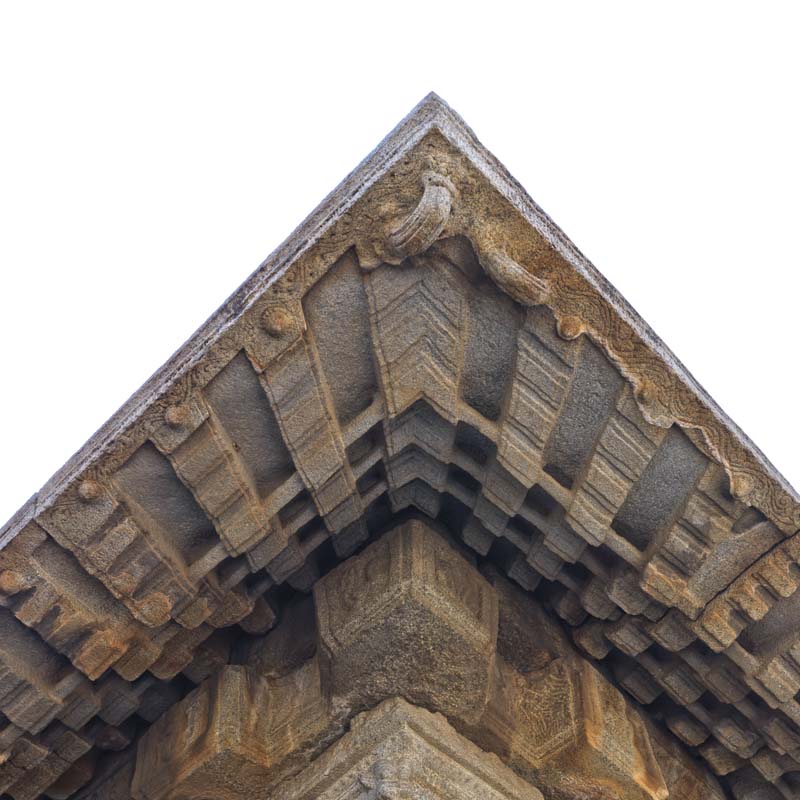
[(408, 616), (428, 340), (571, 731), (112, 780), (233, 735), (400, 751), (684, 776), (288, 646)]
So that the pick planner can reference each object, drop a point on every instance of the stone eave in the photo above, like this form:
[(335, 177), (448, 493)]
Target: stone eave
[(772, 493), (429, 211)]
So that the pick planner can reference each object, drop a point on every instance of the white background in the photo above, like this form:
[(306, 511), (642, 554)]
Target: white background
[(152, 154)]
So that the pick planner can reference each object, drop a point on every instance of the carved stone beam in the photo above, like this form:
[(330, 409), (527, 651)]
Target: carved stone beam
[(206, 459), (304, 415)]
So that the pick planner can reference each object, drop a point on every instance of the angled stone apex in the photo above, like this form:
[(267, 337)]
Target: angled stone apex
[(408, 606), (427, 343), (397, 752)]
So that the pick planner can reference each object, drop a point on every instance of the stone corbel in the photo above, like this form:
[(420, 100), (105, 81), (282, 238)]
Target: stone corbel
[(409, 617)]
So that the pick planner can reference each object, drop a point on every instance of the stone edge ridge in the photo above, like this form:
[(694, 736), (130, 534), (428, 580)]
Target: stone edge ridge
[(431, 113)]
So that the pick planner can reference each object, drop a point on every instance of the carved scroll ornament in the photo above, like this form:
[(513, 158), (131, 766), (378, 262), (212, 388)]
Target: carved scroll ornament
[(425, 223)]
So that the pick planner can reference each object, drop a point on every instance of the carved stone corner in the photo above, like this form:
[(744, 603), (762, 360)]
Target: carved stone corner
[(397, 752), (409, 616), (234, 735), (571, 731)]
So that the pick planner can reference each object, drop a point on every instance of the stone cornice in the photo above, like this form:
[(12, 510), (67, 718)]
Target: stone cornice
[(427, 339), (665, 389)]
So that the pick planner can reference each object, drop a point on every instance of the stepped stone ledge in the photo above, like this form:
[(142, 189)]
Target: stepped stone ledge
[(425, 510)]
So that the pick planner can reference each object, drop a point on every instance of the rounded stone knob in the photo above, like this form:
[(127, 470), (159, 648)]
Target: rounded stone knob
[(177, 416), (570, 327), (276, 321), (90, 491)]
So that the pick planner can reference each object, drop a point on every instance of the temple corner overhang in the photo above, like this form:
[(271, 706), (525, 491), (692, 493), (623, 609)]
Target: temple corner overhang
[(424, 510)]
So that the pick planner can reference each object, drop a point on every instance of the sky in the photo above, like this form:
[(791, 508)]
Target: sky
[(152, 154)]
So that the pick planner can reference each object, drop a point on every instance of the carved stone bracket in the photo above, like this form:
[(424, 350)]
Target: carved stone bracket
[(235, 735), (408, 617)]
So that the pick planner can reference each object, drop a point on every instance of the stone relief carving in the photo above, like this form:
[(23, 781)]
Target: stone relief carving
[(426, 222), (560, 727), (515, 280), (467, 410)]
